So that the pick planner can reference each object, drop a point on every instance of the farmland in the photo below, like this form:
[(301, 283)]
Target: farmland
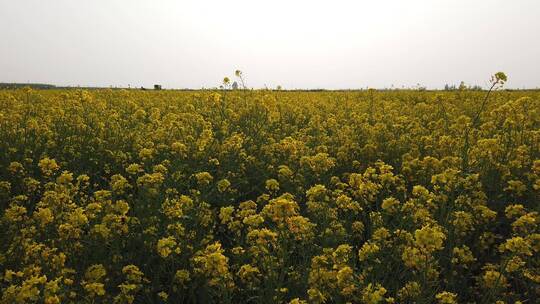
[(267, 196)]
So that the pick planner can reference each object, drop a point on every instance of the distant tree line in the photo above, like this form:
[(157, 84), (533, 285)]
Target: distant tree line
[(462, 86), (31, 85)]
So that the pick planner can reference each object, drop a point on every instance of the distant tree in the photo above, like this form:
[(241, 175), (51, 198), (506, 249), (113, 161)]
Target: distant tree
[(448, 87)]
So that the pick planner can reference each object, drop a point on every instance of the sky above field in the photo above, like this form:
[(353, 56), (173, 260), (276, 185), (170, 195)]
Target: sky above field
[(295, 44)]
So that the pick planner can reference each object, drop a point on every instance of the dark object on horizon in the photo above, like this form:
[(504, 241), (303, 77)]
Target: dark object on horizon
[(143, 88), (30, 85), (157, 87), (235, 85)]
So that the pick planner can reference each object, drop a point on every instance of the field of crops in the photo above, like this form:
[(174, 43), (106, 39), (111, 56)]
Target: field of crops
[(259, 196)]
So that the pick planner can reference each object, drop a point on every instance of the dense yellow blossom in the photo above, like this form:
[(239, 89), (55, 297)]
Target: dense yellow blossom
[(222, 196), (48, 166), (373, 294), (446, 297), (166, 246), (429, 238)]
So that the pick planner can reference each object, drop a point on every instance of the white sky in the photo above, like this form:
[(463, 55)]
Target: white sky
[(296, 44)]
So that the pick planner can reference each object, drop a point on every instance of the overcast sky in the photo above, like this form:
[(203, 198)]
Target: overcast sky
[(296, 44)]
